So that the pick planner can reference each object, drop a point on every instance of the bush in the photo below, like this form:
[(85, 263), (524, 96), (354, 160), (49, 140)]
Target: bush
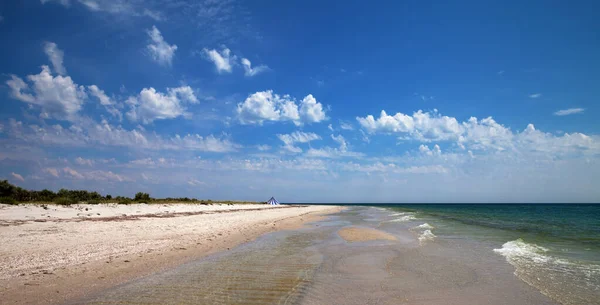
[(8, 200), (124, 200), (108, 197), (93, 201), (142, 197), (65, 201)]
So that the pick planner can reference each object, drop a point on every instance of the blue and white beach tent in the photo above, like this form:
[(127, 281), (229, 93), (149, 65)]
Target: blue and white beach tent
[(273, 201)]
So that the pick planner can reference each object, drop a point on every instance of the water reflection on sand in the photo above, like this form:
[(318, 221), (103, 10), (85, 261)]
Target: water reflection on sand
[(314, 265)]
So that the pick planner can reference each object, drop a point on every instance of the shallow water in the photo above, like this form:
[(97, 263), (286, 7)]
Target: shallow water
[(314, 265)]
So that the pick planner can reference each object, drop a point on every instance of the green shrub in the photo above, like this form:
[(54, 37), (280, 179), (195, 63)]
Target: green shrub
[(142, 197), (93, 201), (8, 200), (65, 201), (124, 201)]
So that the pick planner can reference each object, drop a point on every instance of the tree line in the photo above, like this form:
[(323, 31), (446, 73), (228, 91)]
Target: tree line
[(12, 194)]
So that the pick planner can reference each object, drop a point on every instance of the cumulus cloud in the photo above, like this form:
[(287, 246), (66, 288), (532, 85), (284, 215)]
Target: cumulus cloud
[(152, 105), (249, 71), (311, 111), (421, 125), (297, 137), (17, 176), (474, 134), (57, 96), (436, 151), (267, 106), (160, 51), (223, 60), (569, 111), (56, 56)]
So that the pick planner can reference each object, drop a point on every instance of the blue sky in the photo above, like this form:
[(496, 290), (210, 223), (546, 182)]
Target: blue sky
[(307, 101)]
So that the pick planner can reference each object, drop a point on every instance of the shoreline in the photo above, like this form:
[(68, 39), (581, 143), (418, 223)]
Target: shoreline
[(49, 260)]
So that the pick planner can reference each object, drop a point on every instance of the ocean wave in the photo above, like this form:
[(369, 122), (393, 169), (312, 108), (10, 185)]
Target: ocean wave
[(569, 282), (426, 236), (404, 218), (425, 226)]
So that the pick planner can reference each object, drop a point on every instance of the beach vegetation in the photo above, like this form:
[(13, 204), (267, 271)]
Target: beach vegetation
[(8, 200), (65, 201), (142, 197), (12, 194)]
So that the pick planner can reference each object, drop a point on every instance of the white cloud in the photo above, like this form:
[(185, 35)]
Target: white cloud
[(159, 49), (421, 125), (123, 7), (341, 141), (56, 56), (330, 127), (82, 161), (195, 182), (436, 151), (223, 60), (535, 95), (72, 173), (297, 137), (17, 176), (267, 106), (311, 111), (57, 96), (474, 134), (151, 105), (91, 134), (104, 100), (52, 171), (569, 111), (93, 175), (346, 126), (263, 147), (249, 71)]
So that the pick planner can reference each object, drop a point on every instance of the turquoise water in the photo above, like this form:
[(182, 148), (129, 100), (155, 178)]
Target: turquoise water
[(553, 247)]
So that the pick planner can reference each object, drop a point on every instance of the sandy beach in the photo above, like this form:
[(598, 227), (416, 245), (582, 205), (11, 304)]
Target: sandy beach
[(53, 253)]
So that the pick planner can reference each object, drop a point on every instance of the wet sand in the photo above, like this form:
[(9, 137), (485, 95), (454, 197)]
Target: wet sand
[(354, 234), (48, 260), (316, 265)]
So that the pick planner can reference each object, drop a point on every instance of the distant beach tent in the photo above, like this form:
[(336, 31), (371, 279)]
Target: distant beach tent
[(273, 201)]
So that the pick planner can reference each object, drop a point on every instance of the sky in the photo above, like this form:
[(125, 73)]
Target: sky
[(307, 101)]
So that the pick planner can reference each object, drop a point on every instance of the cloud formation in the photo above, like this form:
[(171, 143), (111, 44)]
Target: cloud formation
[(569, 111), (297, 137), (249, 71), (160, 51), (151, 105), (223, 60), (56, 57), (57, 96), (267, 106)]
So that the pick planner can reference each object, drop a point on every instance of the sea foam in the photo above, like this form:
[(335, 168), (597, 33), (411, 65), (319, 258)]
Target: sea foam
[(426, 236), (561, 279)]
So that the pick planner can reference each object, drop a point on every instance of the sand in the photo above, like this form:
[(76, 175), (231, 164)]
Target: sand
[(355, 234), (53, 254)]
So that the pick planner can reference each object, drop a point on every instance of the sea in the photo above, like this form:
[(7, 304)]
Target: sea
[(442, 254)]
